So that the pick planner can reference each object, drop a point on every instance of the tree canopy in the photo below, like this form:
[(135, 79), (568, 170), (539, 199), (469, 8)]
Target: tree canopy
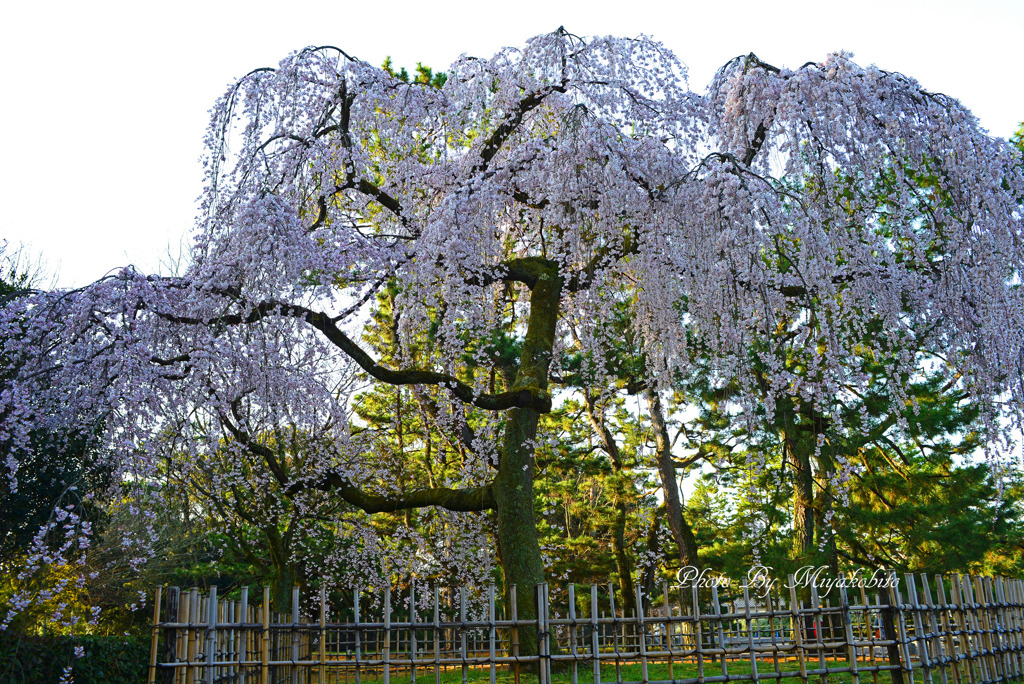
[(525, 215)]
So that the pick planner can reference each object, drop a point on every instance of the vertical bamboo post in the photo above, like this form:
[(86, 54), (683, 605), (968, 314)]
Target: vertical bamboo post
[(543, 645), (986, 613), (891, 621), (243, 636), (572, 631), (641, 634), (615, 631), (595, 642), (515, 633), (491, 634), (698, 632), (156, 636), (322, 673), (946, 626), (387, 635), (920, 630), (294, 633), (227, 622), (774, 626), (959, 615), (190, 654), (866, 603), (437, 634), (668, 629), (1006, 643), (211, 635), (355, 609), (816, 621), (971, 624), (171, 646), (851, 649), (719, 631), (797, 624), (181, 640), (412, 631), (991, 622), (463, 649), (750, 630), (935, 639), (265, 640)]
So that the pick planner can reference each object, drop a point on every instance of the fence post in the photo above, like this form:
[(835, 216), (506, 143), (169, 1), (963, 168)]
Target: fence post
[(641, 633), (265, 640), (933, 627), (491, 633), (971, 624), (294, 632), (515, 631), (211, 634), (719, 630), (412, 632), (171, 634), (355, 609), (595, 642), (437, 634), (193, 647), (322, 676), (615, 631), (463, 648), (668, 630), (698, 630), (796, 622), (851, 648), (994, 627), (387, 635), (920, 630), (543, 664), (817, 624), (750, 629), (156, 637), (889, 625)]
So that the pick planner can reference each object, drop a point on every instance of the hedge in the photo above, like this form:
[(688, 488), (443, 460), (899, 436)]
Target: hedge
[(41, 660)]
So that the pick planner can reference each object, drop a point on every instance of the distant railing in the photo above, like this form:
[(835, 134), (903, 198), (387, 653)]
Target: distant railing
[(948, 630)]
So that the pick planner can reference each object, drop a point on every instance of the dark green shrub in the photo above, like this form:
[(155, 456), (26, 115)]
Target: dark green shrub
[(41, 660)]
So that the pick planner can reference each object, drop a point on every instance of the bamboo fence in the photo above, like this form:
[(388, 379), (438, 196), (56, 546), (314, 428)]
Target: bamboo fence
[(937, 630)]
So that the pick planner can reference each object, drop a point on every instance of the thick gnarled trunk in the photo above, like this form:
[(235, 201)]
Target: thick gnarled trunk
[(521, 560)]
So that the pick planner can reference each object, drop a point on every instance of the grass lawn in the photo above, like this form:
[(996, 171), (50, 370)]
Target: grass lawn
[(738, 671)]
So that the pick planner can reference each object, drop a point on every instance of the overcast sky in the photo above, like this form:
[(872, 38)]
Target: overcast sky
[(105, 103)]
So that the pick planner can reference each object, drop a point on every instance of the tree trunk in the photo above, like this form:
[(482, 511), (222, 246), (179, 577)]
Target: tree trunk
[(521, 560), (825, 504), (674, 505), (284, 576), (798, 453), (622, 563)]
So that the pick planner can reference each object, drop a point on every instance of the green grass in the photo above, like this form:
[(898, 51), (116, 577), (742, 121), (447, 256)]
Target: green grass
[(631, 672)]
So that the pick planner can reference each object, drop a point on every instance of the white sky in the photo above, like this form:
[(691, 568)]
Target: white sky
[(105, 102)]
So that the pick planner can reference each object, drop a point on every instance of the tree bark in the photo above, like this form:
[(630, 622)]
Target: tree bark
[(622, 563), (674, 504), (798, 453), (521, 560)]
